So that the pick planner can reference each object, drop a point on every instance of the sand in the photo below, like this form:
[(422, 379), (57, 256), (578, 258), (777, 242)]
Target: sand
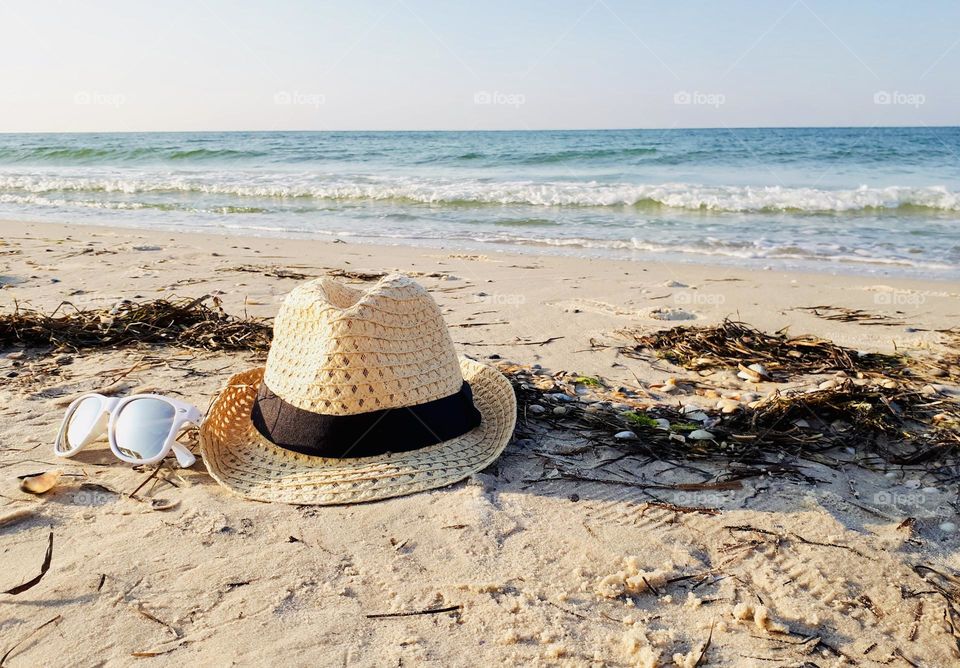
[(529, 570)]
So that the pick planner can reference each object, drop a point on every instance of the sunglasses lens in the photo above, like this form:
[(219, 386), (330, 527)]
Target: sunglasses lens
[(82, 421), (142, 427)]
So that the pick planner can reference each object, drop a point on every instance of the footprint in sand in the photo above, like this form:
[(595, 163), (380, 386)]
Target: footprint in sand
[(666, 313), (593, 306)]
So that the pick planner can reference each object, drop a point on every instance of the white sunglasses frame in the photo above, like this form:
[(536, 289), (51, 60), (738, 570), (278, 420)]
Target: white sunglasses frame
[(106, 421)]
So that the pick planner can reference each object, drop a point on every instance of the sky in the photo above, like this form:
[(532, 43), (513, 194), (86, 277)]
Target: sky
[(493, 65)]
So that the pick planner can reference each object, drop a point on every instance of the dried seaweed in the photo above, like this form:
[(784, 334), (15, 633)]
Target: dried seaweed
[(356, 275), (189, 323), (412, 613), (897, 425), (269, 270), (44, 567), (844, 314), (52, 620), (733, 343)]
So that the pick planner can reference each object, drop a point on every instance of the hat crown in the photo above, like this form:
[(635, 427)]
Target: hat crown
[(338, 350)]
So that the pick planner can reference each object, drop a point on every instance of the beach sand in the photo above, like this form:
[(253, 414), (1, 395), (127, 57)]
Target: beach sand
[(534, 570)]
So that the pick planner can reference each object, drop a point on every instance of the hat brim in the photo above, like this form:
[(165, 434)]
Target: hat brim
[(242, 460)]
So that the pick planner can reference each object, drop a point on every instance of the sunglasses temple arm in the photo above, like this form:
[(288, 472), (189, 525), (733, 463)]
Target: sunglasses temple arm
[(184, 457)]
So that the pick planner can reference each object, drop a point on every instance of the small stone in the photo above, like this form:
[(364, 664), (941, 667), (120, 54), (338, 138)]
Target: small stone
[(560, 410), (948, 527), (494, 356), (929, 390), (700, 435), (729, 406), (559, 396), (625, 436), (889, 384), (828, 385), (662, 424), (536, 409)]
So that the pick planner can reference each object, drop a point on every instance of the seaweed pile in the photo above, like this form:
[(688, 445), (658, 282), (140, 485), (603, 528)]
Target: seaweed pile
[(884, 425), (732, 343), (188, 323)]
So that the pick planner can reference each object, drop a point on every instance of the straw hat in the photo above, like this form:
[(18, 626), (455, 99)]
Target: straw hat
[(362, 398)]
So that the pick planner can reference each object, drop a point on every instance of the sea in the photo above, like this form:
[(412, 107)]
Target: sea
[(880, 201)]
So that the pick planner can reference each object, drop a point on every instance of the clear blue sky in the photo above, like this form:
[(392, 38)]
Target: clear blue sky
[(428, 64)]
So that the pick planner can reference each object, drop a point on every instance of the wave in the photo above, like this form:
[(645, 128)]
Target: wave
[(584, 155), (88, 155), (444, 192)]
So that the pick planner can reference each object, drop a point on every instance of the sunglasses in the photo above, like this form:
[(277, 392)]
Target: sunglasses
[(142, 429)]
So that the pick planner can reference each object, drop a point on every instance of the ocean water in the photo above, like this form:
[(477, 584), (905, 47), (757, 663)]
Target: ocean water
[(868, 200)]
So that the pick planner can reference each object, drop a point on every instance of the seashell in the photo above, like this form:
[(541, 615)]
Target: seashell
[(40, 482), (754, 372), (700, 435), (729, 406), (625, 436), (164, 504), (889, 384)]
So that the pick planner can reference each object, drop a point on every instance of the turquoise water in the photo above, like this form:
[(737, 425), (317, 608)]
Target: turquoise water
[(878, 200)]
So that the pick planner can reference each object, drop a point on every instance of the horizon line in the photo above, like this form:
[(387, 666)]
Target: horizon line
[(452, 130)]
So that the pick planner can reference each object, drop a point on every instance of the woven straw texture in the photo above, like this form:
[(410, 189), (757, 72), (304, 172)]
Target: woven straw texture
[(240, 459), (340, 351)]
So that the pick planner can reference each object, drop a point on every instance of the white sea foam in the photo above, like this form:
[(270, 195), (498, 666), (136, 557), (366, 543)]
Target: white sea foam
[(682, 196)]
